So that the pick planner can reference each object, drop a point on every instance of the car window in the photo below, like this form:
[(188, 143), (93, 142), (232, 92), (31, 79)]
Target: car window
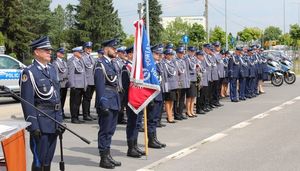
[(8, 63)]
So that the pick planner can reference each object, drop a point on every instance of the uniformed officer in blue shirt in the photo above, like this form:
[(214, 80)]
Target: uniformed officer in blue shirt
[(202, 83), (208, 68), (89, 65), (221, 73), (107, 102), (62, 70), (234, 73), (40, 86), (77, 83), (244, 74)]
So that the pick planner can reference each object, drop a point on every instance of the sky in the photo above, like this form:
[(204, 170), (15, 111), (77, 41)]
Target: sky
[(240, 13)]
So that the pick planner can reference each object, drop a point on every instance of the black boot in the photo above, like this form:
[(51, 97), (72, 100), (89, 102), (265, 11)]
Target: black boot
[(34, 168), (105, 162), (152, 143), (138, 149), (113, 161), (158, 142), (47, 168), (132, 152)]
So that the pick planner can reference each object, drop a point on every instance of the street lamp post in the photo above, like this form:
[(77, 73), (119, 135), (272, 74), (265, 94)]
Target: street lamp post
[(226, 37)]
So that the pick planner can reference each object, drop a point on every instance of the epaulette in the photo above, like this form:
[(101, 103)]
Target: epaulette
[(30, 66)]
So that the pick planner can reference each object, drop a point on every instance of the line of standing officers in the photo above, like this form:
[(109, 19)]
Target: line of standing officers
[(188, 76)]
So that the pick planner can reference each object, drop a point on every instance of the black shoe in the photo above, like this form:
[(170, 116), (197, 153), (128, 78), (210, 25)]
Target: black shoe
[(172, 122), (160, 125), (201, 112), (212, 106), (92, 117), (105, 162), (235, 101), (47, 168), (66, 117), (219, 104), (122, 122), (33, 168), (152, 143), (177, 118), (87, 118), (163, 145), (113, 161), (183, 117), (206, 110), (132, 152), (77, 121), (141, 129), (143, 153)]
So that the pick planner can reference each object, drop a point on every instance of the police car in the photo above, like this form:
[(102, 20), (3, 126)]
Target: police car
[(10, 71)]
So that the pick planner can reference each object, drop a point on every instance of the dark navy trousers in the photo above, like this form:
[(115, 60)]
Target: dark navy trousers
[(43, 149), (233, 89), (107, 124)]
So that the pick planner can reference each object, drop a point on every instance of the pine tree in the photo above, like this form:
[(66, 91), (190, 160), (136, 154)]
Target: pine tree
[(156, 27), (37, 16), (57, 27), (97, 20), (17, 37)]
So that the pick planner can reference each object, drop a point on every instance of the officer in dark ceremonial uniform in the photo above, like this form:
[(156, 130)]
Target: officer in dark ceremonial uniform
[(155, 107), (77, 83), (89, 65), (62, 70), (40, 86), (244, 74), (119, 62), (202, 84), (132, 128), (221, 72), (234, 73), (107, 102)]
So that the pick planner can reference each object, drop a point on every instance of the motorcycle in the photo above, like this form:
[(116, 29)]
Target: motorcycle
[(275, 73), (289, 75)]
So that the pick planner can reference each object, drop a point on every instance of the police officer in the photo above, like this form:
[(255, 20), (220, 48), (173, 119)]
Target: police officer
[(170, 78), (191, 92), (100, 53), (224, 88), (202, 83), (119, 62), (208, 74), (89, 65), (77, 83), (234, 73), (132, 122), (62, 70), (40, 87), (184, 84), (221, 72), (214, 99), (244, 74), (107, 102), (155, 107)]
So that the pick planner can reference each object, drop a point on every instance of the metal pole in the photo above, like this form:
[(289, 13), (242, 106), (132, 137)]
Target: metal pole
[(140, 10), (147, 19), (226, 35), (206, 20), (283, 16)]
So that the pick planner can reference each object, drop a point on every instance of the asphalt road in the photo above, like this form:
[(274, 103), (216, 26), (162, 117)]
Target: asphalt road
[(257, 134)]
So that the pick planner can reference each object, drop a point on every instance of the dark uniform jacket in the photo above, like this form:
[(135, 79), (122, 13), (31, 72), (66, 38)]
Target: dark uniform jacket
[(41, 88)]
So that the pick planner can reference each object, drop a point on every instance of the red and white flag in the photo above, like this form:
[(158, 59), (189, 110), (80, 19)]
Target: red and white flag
[(144, 82)]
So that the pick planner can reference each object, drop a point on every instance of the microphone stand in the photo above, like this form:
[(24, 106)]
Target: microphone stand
[(62, 126)]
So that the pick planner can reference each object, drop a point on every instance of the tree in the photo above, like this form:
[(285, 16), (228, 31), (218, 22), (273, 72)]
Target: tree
[(16, 35), (2, 40), (250, 34), (286, 39), (217, 34), (57, 29), (156, 27), (129, 41), (272, 33), (175, 30), (295, 33), (197, 35), (37, 18), (96, 21)]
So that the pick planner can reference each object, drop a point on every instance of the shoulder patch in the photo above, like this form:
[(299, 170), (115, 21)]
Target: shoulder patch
[(24, 78)]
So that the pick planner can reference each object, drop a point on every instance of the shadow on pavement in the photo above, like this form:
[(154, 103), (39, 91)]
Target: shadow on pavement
[(94, 151), (71, 160)]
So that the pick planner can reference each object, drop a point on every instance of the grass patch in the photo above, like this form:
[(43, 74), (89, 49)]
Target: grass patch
[(296, 67)]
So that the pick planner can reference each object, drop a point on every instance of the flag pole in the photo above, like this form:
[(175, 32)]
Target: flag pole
[(146, 132)]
